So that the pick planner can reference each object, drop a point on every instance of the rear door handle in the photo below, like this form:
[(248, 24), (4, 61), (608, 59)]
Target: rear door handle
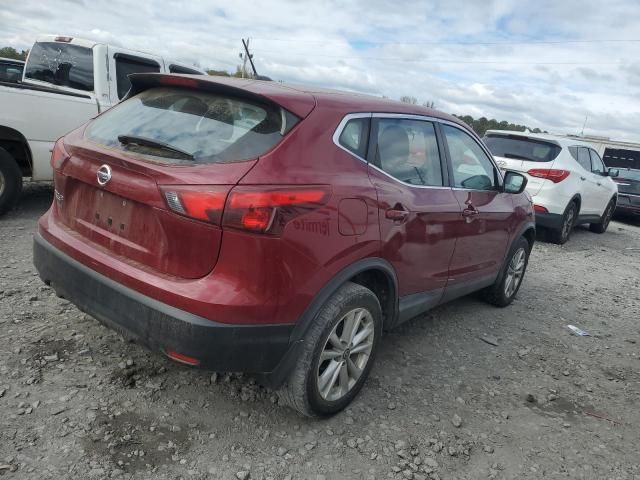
[(470, 212), (397, 214), (582, 178), (599, 184)]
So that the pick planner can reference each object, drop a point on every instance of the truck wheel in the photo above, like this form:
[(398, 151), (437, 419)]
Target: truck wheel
[(338, 353), (10, 181), (504, 290), (602, 225), (562, 234)]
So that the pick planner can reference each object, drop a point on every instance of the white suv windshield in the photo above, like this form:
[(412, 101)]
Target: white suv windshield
[(176, 126)]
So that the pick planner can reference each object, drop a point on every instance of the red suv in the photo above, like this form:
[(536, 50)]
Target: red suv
[(251, 226)]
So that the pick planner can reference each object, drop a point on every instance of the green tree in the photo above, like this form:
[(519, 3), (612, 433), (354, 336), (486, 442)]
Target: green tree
[(10, 52)]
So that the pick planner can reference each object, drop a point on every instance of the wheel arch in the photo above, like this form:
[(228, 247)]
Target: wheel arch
[(17, 146), (577, 199), (375, 273)]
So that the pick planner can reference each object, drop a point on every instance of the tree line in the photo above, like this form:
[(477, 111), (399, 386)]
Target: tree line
[(10, 52)]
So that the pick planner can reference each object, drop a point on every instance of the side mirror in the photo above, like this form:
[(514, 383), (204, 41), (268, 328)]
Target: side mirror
[(613, 172), (514, 182)]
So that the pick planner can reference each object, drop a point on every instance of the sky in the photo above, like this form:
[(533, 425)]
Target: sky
[(549, 64)]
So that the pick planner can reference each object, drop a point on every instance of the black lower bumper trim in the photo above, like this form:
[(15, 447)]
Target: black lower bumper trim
[(158, 326), (549, 220)]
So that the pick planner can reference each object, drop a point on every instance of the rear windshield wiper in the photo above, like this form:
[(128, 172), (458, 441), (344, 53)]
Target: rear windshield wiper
[(150, 142), (518, 157)]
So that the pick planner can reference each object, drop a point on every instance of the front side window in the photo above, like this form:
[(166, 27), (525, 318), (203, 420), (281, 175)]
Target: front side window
[(355, 135), (471, 167), (61, 64), (408, 151), (173, 125), (582, 157), (596, 163), (126, 65)]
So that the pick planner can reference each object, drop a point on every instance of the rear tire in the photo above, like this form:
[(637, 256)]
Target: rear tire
[(508, 283), (327, 353), (602, 226), (561, 235), (10, 181)]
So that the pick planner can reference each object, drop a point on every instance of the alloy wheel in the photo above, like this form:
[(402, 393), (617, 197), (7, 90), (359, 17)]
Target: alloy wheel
[(515, 271), (607, 216), (567, 225), (345, 354), (2, 183)]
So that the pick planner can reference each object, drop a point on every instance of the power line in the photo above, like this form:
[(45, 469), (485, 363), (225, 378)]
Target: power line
[(465, 43), (436, 60)]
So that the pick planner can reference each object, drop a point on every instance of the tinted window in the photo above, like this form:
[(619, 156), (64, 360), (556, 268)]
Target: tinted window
[(10, 73), (521, 148), (180, 69), (212, 128), (408, 150), (354, 136), (125, 65), (471, 167), (583, 158), (596, 163), (61, 64), (618, 157)]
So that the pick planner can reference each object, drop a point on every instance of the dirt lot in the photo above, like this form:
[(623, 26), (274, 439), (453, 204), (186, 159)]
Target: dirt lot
[(78, 402)]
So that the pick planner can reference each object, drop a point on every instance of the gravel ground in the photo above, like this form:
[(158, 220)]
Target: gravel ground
[(78, 402)]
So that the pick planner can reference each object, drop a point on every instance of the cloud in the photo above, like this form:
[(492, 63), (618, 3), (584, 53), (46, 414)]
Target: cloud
[(541, 63)]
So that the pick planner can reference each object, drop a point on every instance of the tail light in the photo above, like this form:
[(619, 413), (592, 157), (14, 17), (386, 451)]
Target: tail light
[(269, 209), (552, 174), (202, 203), (540, 208), (58, 155), (255, 209)]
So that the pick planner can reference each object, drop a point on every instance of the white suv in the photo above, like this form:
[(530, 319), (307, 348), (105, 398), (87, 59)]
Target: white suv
[(567, 179)]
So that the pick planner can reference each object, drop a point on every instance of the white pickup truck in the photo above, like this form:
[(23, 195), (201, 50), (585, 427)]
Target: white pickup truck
[(66, 82)]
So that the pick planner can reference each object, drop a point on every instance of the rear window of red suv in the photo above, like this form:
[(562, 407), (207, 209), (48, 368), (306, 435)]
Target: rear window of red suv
[(174, 125)]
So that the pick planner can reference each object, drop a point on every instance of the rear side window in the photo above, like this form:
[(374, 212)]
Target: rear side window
[(207, 127), (355, 135), (61, 64), (180, 69), (128, 64), (408, 151), (521, 148), (582, 157)]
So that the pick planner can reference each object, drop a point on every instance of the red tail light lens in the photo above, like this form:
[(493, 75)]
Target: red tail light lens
[(269, 209), (552, 174), (179, 82), (540, 208), (202, 203), (58, 155)]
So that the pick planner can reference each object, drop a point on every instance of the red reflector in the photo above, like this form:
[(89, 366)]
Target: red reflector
[(179, 82), (58, 154), (540, 208), (182, 358), (549, 174), (258, 219)]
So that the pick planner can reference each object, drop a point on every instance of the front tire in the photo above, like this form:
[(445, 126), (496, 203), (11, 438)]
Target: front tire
[(506, 287), (561, 236), (602, 226), (10, 181), (338, 353)]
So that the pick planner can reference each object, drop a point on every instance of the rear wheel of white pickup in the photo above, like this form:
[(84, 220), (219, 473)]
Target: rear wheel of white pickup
[(10, 181)]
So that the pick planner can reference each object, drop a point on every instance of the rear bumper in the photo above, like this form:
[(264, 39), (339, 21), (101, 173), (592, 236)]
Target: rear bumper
[(628, 203), (158, 326), (549, 220)]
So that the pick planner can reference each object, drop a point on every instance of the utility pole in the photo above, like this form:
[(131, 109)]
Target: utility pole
[(247, 55), (243, 56), (584, 125)]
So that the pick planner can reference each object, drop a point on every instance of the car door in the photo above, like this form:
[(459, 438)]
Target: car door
[(589, 190), (418, 212), (603, 184), (486, 218)]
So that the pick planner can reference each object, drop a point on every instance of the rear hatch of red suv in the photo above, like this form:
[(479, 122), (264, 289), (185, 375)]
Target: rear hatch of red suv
[(146, 182)]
